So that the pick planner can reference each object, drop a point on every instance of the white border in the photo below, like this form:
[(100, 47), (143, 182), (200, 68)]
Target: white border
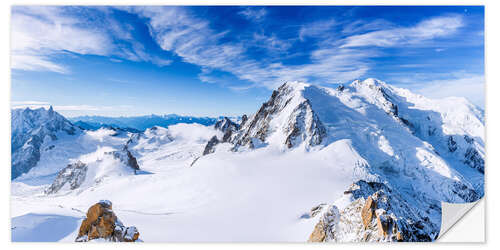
[(493, 125)]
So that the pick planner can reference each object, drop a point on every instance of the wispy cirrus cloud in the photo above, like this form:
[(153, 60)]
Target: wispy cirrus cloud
[(425, 30), (335, 58), (195, 42), (39, 34), (337, 51), (253, 13), (316, 29)]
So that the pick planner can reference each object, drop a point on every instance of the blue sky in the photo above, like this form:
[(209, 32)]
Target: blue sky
[(210, 61)]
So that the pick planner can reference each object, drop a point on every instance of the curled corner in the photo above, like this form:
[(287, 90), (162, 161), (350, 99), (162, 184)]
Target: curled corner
[(451, 213)]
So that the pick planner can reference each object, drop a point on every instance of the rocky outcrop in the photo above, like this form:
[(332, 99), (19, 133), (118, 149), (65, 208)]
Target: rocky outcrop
[(452, 144), (368, 211), (226, 124), (318, 234), (228, 127), (101, 223), (73, 176), (376, 213), (474, 159), (126, 157), (326, 226), (304, 125), (210, 147), (244, 119)]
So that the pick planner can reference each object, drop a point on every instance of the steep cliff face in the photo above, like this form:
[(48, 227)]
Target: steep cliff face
[(376, 213), (287, 119)]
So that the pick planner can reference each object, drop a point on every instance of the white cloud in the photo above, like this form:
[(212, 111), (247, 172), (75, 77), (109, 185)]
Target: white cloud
[(272, 42), (195, 42), (334, 60), (425, 30), (38, 33), (360, 26), (315, 29), (254, 14)]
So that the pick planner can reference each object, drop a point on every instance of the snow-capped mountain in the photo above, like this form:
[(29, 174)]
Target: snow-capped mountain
[(373, 162), (287, 115), (407, 141), (30, 128)]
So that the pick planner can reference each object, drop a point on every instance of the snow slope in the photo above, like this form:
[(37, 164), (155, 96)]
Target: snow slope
[(307, 145)]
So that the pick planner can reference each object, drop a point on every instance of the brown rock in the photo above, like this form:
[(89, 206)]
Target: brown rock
[(102, 223), (318, 234), (367, 211), (384, 224), (399, 236), (106, 224), (93, 214)]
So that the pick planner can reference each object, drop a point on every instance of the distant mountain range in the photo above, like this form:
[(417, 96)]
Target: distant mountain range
[(140, 123)]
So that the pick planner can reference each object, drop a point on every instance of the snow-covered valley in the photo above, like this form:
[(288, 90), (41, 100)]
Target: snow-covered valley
[(302, 165)]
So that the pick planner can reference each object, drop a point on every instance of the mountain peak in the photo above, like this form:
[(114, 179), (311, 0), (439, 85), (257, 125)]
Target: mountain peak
[(368, 82), (295, 85), (30, 128)]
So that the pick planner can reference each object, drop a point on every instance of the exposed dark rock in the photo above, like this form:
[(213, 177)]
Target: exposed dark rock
[(244, 119), (377, 213), (257, 127), (226, 124), (227, 136), (73, 175), (210, 147), (126, 157), (465, 193), (302, 126), (468, 139), (474, 160), (452, 145)]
